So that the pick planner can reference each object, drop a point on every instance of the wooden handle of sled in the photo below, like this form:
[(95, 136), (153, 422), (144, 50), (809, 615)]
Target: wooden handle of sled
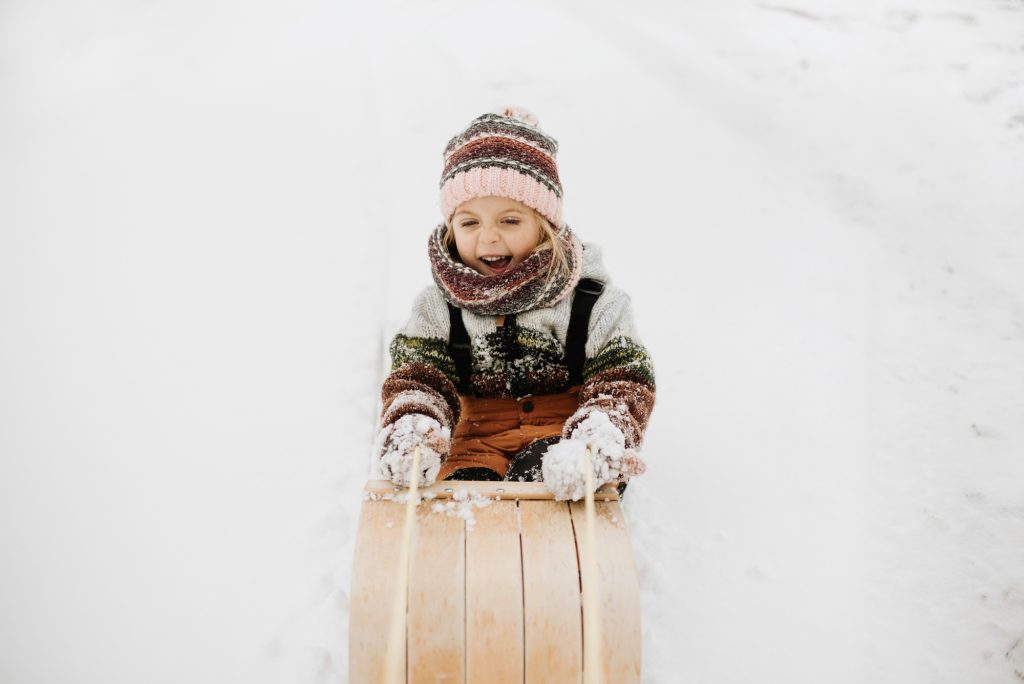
[(394, 668), (504, 491), (592, 672)]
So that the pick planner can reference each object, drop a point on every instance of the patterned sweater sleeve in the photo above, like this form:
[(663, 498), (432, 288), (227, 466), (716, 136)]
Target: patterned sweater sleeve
[(423, 377), (618, 374)]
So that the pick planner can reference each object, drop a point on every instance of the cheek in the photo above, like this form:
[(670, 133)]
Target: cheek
[(528, 243), (465, 247)]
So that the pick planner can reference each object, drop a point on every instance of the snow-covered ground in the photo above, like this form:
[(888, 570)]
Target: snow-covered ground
[(213, 214)]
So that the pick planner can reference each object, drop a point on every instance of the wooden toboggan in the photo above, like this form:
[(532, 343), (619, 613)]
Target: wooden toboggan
[(494, 582)]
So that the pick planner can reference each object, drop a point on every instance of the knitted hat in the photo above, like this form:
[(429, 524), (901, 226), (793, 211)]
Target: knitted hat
[(505, 154)]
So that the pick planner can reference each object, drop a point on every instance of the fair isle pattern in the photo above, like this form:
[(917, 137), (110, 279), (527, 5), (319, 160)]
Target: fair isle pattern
[(620, 382), (423, 380), (504, 156), (525, 286), (624, 355), (432, 351), (514, 361)]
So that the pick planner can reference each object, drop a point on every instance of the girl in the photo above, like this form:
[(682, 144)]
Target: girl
[(522, 354)]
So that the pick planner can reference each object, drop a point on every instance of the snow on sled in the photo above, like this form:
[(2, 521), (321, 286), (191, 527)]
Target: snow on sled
[(495, 590)]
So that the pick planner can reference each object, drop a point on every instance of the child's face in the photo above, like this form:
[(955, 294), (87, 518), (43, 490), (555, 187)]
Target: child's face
[(487, 227)]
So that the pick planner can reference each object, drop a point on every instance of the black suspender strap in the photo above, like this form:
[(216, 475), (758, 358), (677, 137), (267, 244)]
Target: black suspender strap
[(587, 292), (459, 347)]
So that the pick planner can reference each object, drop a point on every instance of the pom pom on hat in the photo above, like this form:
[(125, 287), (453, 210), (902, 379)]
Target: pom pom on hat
[(503, 153), (518, 113)]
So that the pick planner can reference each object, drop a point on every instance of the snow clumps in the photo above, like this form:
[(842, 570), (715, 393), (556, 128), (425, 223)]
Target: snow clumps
[(398, 441), (462, 504), (564, 462)]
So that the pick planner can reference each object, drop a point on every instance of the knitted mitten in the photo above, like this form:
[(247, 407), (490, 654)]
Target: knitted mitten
[(398, 441), (563, 466)]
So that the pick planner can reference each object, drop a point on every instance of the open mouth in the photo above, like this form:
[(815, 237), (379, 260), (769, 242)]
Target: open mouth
[(497, 264)]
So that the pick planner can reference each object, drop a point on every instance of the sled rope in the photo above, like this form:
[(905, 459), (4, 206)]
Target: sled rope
[(394, 668), (592, 673)]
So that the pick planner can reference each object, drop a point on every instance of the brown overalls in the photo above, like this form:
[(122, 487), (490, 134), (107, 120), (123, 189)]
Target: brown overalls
[(490, 431)]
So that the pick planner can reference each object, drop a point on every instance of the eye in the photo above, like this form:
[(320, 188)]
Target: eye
[(467, 223), (511, 220)]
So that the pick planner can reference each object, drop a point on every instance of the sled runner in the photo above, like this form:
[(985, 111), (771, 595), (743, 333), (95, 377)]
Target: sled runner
[(495, 579)]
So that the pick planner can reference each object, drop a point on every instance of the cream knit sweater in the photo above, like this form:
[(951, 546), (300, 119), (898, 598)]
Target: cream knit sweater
[(524, 357)]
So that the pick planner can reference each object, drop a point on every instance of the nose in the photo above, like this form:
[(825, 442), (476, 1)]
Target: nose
[(489, 232)]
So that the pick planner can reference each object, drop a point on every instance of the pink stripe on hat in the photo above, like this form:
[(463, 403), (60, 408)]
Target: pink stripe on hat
[(495, 182)]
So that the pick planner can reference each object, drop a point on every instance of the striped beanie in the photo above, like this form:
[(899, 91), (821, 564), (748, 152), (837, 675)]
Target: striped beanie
[(504, 154)]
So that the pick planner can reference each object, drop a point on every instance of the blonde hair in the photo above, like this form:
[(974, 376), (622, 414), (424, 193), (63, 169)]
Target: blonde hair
[(548, 240)]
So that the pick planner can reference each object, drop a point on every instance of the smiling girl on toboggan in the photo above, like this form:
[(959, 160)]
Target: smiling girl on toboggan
[(522, 354)]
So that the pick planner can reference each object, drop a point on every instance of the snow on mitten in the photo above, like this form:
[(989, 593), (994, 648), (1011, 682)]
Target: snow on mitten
[(563, 463), (398, 441), (562, 469)]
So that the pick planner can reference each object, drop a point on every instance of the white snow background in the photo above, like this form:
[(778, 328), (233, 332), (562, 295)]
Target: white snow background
[(213, 215)]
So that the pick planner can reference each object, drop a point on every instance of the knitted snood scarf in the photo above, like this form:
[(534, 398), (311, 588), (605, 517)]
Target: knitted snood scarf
[(521, 288)]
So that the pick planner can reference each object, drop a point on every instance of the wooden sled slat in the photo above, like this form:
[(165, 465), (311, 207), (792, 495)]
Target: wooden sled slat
[(551, 594), (378, 543), (494, 598), (617, 587), (437, 608)]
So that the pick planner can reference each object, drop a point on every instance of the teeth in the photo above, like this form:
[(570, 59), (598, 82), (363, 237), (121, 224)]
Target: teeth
[(493, 258)]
